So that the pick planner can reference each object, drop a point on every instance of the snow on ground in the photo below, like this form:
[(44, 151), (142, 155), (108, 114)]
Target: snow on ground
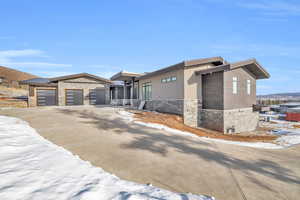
[(34, 168), (287, 137)]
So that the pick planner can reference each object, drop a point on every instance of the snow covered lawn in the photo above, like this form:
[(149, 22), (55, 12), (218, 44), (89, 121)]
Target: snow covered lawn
[(288, 137), (33, 168)]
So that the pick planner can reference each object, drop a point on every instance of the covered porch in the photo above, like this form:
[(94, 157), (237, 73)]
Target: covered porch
[(124, 90)]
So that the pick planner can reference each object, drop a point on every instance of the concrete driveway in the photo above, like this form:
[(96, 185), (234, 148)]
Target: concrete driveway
[(173, 162)]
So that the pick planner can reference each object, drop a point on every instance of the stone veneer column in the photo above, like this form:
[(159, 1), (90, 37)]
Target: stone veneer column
[(191, 112), (131, 94), (107, 94), (124, 94)]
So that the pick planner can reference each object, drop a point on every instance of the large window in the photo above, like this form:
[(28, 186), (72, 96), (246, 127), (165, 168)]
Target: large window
[(147, 91), (234, 85), (248, 87)]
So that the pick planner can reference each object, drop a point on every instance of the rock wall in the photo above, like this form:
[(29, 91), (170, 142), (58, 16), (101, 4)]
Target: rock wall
[(191, 109), (211, 119), (243, 120), (165, 106), (229, 121)]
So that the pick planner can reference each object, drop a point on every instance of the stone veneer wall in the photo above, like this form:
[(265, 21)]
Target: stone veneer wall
[(191, 109), (165, 106), (242, 120), (211, 119), (80, 83)]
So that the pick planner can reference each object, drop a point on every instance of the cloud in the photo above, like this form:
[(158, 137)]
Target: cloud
[(21, 53), (275, 7), (8, 57), (51, 74), (37, 64)]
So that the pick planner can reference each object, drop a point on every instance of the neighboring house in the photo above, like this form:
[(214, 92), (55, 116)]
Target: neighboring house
[(76, 89), (208, 92), (2, 80)]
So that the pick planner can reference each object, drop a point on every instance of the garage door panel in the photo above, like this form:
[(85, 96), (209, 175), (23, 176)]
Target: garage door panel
[(74, 97), (46, 97), (97, 96)]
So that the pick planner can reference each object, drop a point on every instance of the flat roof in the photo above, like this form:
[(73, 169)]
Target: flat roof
[(125, 76), (189, 63)]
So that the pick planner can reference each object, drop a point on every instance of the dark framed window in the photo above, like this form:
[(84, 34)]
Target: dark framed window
[(147, 91)]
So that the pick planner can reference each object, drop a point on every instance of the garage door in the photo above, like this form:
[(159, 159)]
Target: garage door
[(97, 96), (74, 97), (46, 97)]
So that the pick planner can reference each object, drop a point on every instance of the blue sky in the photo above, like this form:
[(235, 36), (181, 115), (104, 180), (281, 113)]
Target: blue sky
[(53, 38)]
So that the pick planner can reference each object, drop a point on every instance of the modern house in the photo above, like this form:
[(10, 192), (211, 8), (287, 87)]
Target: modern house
[(76, 89), (209, 93)]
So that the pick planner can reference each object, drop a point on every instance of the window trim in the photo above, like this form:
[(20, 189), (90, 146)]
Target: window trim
[(147, 91), (234, 85), (248, 85)]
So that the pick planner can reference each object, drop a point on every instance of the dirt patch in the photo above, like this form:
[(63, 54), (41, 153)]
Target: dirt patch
[(296, 126), (272, 122), (176, 122)]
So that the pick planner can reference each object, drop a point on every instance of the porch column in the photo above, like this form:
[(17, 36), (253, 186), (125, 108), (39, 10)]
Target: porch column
[(131, 94), (116, 95), (124, 94), (131, 91), (111, 93)]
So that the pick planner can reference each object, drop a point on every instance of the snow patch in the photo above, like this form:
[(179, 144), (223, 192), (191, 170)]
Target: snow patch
[(287, 139), (34, 168), (126, 115)]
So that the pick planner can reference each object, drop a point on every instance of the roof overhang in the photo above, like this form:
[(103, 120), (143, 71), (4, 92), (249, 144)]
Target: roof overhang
[(62, 78), (254, 67), (214, 60), (213, 70), (43, 84), (250, 65), (125, 76)]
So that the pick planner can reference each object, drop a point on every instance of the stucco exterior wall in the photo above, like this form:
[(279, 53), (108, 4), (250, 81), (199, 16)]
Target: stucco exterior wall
[(241, 99), (165, 91), (193, 83), (80, 83), (193, 94)]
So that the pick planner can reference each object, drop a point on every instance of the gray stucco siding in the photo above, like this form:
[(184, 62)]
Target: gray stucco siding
[(241, 99), (164, 91)]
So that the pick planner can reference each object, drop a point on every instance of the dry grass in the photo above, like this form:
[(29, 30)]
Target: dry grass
[(11, 92), (176, 122), (7, 102), (296, 126), (272, 122)]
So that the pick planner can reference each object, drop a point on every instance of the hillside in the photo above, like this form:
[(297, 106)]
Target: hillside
[(14, 75), (291, 94)]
